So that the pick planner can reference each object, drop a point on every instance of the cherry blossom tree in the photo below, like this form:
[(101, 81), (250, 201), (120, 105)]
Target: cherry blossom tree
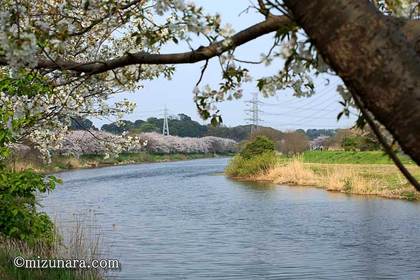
[(157, 143), (79, 53), (79, 142)]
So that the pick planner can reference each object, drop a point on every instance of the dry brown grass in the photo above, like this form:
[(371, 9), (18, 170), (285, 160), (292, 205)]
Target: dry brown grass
[(73, 163), (293, 172), (365, 179), (21, 166), (63, 163), (348, 179)]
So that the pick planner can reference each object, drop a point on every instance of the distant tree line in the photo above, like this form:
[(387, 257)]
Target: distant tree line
[(353, 140), (182, 125), (287, 142)]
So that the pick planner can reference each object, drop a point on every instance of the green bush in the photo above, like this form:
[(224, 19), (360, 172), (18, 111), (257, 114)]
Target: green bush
[(19, 218), (259, 146), (359, 143), (18, 214), (242, 167), (351, 143)]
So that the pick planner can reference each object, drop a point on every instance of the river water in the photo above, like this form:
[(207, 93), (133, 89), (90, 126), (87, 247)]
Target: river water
[(184, 220)]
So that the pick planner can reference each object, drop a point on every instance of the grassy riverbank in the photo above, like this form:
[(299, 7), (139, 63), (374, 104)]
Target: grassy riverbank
[(8, 271), (83, 244), (61, 163), (366, 173), (351, 157)]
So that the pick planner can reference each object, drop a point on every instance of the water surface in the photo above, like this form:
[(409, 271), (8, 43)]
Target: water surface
[(183, 220)]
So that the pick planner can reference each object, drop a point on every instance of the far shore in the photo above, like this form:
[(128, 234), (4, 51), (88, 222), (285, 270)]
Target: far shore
[(317, 169), (63, 163)]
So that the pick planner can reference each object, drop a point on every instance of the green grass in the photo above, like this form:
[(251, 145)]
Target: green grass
[(242, 167), (342, 157), (9, 272)]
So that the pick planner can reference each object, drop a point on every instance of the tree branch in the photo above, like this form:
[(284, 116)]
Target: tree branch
[(269, 25), (263, 9)]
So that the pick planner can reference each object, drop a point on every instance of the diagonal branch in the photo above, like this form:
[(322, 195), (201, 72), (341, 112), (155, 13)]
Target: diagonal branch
[(271, 24)]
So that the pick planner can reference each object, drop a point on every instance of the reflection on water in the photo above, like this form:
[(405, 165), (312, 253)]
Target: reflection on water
[(181, 221)]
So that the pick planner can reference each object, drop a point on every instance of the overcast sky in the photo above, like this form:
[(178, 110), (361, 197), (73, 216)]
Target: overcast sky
[(282, 111)]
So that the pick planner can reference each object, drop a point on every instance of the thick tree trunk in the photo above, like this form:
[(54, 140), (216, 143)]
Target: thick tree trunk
[(376, 61)]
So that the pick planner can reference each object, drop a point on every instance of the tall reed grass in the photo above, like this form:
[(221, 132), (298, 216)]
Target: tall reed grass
[(82, 243)]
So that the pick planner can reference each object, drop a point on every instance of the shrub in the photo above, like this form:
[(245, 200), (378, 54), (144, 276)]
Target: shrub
[(243, 167), (259, 146), (362, 143), (19, 218), (351, 143), (18, 214)]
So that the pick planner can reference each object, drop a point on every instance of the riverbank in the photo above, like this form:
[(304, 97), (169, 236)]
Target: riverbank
[(83, 244), (362, 173), (63, 163)]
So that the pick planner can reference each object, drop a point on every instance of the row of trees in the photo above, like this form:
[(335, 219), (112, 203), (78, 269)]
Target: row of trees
[(289, 142), (80, 142), (353, 140), (182, 125), (294, 142)]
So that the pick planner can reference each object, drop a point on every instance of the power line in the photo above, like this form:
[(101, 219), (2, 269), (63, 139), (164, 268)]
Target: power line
[(297, 125), (318, 96), (299, 110), (151, 111)]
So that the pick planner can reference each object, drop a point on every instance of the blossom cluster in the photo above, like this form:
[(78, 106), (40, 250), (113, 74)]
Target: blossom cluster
[(157, 143), (87, 31), (81, 142)]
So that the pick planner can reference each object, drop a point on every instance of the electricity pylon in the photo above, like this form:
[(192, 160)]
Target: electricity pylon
[(165, 130), (255, 111)]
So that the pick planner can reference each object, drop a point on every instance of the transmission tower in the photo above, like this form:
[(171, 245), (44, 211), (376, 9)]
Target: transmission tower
[(165, 130), (254, 112)]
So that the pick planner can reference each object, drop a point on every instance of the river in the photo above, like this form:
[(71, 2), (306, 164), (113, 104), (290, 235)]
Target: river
[(185, 220)]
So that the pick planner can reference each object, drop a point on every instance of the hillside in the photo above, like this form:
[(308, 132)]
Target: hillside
[(182, 125)]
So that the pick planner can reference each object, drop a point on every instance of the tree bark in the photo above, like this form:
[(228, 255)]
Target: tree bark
[(411, 30), (376, 57)]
